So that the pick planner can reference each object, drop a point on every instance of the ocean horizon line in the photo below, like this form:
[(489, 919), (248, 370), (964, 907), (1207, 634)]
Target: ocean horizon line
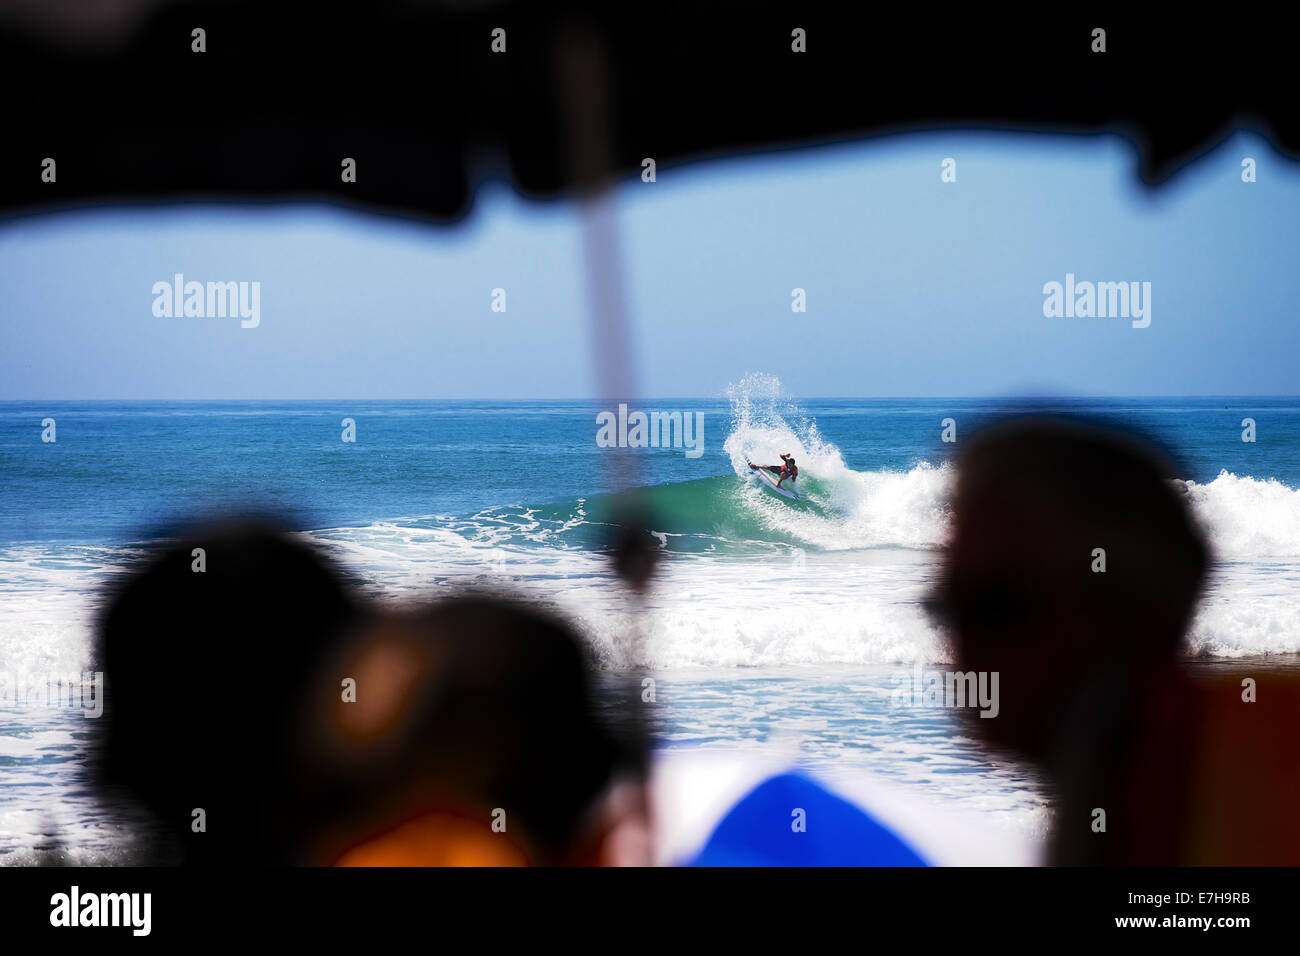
[(1014, 398)]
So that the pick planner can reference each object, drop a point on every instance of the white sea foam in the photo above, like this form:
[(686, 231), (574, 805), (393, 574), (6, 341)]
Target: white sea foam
[(48, 595), (843, 597), (1248, 519)]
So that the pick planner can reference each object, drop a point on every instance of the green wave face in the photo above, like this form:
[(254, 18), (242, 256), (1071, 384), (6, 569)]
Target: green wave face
[(722, 515)]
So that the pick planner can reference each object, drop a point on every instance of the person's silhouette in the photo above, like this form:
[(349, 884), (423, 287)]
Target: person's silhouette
[(475, 737), (205, 649), (1073, 571)]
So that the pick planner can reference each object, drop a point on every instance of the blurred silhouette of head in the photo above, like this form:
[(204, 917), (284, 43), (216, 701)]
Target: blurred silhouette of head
[(204, 647), (1073, 570), (474, 736)]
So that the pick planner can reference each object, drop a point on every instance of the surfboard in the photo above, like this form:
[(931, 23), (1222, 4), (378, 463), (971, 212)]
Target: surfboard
[(769, 479)]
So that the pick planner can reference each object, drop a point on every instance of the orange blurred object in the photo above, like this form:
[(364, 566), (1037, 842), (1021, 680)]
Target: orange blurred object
[(439, 838)]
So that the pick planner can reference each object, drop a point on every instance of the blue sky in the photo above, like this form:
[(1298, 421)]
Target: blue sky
[(914, 287)]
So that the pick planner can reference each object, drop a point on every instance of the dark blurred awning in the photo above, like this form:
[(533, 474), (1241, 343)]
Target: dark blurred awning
[(415, 94)]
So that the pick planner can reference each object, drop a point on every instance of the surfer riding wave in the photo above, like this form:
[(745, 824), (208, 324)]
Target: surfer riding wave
[(782, 471)]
